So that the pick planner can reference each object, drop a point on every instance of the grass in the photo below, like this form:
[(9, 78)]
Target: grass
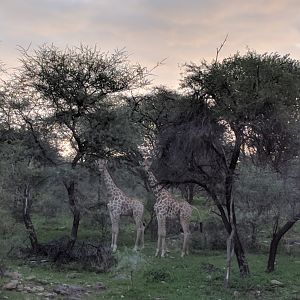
[(194, 277), (142, 276)]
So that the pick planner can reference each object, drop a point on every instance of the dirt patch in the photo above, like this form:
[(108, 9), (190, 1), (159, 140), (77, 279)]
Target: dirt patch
[(64, 291)]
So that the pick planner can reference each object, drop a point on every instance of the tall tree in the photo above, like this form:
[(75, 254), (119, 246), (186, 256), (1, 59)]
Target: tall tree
[(225, 109), (66, 87), (256, 97), (23, 171), (264, 199), (291, 206)]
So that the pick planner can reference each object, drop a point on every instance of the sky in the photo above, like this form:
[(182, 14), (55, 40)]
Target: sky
[(152, 31)]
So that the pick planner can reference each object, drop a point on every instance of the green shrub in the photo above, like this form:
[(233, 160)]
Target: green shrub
[(12, 233), (157, 275)]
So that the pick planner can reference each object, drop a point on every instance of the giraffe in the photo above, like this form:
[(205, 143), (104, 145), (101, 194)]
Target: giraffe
[(121, 205), (166, 206)]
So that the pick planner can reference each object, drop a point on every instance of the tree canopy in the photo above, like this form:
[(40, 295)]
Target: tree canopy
[(65, 108)]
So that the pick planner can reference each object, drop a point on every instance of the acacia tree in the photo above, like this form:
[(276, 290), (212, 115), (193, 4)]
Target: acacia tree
[(220, 117), (188, 146), (195, 150), (291, 208), (23, 172), (66, 87), (247, 93), (275, 146), (266, 196), (276, 142), (262, 198)]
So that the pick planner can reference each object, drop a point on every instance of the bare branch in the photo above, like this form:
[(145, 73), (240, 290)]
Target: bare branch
[(220, 48)]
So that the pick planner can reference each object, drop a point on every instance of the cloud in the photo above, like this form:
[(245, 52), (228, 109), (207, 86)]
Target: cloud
[(152, 30)]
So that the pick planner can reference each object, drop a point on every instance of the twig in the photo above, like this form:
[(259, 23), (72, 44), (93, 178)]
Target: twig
[(220, 48)]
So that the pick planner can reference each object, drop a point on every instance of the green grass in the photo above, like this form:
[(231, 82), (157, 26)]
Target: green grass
[(142, 276), (61, 226), (174, 277)]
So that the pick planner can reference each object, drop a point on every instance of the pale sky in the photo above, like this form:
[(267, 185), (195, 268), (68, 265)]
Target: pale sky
[(152, 30)]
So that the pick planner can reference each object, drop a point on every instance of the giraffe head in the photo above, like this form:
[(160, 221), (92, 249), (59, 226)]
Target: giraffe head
[(101, 164), (146, 164)]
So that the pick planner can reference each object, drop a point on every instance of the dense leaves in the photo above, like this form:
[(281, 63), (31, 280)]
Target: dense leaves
[(244, 106)]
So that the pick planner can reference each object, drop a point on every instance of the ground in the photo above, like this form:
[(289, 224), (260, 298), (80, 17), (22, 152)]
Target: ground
[(199, 276), (139, 275)]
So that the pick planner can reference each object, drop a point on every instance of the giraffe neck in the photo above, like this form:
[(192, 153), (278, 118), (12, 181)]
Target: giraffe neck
[(109, 183), (158, 190)]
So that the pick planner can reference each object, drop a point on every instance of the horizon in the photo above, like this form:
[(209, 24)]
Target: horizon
[(175, 32)]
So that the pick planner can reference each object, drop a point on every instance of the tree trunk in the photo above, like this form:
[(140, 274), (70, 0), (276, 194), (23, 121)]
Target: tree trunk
[(76, 216), (238, 247), (27, 220), (187, 192), (230, 252), (190, 192), (240, 256), (275, 242), (152, 226), (253, 235)]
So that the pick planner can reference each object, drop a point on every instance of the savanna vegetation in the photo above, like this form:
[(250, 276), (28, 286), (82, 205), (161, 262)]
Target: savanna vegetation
[(227, 142)]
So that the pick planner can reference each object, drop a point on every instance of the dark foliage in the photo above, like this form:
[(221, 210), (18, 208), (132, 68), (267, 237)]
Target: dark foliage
[(190, 150), (88, 255)]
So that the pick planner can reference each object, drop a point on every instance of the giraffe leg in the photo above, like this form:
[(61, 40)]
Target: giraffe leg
[(163, 243), (138, 234), (158, 245), (143, 236), (186, 233), (115, 232), (112, 232), (159, 225), (138, 218), (163, 236)]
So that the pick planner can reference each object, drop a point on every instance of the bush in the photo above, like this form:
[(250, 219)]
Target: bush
[(12, 234), (97, 218), (129, 260), (213, 236), (157, 275)]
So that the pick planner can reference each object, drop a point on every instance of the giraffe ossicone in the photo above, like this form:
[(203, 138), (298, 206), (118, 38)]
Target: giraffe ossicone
[(119, 204)]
